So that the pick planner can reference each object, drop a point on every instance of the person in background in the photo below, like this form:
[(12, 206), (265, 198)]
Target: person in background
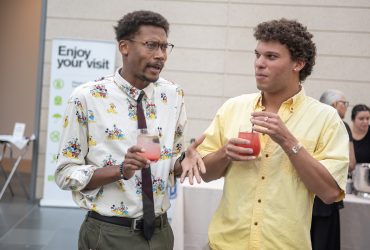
[(337, 99), (325, 225), (126, 194), (267, 200), (360, 117)]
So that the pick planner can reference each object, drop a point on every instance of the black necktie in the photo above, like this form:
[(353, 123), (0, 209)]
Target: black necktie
[(146, 175)]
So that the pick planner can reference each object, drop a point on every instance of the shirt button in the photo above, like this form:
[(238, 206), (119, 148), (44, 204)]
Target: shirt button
[(256, 223), (263, 177), (259, 200), (267, 155)]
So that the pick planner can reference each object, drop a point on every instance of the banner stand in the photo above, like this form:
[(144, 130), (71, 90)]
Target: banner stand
[(73, 63)]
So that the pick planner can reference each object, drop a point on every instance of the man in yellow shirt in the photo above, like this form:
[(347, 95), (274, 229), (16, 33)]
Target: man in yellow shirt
[(267, 200)]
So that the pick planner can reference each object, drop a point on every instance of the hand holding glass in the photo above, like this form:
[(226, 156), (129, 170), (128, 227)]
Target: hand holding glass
[(150, 142), (254, 139)]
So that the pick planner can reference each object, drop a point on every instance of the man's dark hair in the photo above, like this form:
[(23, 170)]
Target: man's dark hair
[(130, 23), (294, 36), (358, 108)]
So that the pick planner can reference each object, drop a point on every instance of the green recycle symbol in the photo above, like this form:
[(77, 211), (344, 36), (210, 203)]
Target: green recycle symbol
[(58, 100), (54, 136), (57, 116), (54, 158), (58, 84)]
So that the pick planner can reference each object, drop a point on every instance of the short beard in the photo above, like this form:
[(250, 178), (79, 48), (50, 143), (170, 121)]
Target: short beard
[(146, 79)]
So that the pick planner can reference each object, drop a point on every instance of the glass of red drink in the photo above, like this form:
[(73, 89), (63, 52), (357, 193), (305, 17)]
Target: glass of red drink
[(149, 140), (254, 139)]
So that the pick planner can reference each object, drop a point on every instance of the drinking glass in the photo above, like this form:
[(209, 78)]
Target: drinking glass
[(254, 139), (149, 140)]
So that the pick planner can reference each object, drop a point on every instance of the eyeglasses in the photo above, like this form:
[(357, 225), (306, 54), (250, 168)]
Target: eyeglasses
[(345, 103), (153, 46)]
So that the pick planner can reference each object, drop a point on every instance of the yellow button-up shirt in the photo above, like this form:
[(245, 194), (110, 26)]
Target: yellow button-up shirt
[(265, 204)]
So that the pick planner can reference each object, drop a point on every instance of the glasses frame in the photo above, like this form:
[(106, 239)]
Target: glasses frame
[(345, 103), (153, 46)]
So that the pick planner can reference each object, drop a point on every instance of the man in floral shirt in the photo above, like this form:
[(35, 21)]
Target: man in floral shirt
[(98, 159)]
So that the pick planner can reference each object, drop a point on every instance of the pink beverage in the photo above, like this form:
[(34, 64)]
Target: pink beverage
[(255, 144), (151, 145)]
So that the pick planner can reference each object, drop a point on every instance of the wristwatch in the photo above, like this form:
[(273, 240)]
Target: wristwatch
[(295, 149), (182, 157)]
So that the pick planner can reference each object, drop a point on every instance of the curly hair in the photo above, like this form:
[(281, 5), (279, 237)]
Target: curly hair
[(294, 36), (358, 108), (130, 23)]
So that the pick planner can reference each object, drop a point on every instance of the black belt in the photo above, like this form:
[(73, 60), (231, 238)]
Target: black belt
[(134, 224)]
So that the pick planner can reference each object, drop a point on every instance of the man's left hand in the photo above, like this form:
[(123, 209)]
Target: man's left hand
[(193, 162)]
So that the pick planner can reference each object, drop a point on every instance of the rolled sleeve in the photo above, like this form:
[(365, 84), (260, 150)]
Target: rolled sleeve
[(72, 172)]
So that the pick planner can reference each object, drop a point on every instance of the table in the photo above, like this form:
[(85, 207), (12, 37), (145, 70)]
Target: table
[(7, 142), (355, 223), (193, 210), (195, 206)]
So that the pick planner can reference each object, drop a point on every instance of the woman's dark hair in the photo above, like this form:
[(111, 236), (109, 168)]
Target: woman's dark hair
[(294, 36), (358, 108), (129, 24)]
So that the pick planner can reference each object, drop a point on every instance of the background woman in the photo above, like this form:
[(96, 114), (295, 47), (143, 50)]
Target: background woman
[(360, 131)]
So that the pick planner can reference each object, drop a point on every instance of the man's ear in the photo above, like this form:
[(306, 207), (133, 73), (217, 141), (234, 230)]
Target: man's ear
[(298, 65), (123, 47)]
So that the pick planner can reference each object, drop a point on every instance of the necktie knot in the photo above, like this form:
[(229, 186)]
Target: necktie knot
[(140, 112), (140, 98)]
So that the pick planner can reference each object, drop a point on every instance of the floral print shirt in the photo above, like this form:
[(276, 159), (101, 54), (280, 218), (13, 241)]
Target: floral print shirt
[(100, 124)]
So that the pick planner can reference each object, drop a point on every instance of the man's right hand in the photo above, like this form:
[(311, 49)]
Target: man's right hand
[(134, 161), (237, 153)]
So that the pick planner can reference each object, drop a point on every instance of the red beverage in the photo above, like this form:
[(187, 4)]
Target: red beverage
[(254, 139), (152, 153), (151, 145)]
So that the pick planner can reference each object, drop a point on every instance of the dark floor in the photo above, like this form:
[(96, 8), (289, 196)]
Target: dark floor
[(26, 225)]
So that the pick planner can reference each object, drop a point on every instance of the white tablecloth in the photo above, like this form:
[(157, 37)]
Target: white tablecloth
[(355, 223), (195, 205), (194, 208)]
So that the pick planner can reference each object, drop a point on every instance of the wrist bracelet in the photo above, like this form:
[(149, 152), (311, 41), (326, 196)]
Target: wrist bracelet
[(182, 157), (121, 171), (179, 169)]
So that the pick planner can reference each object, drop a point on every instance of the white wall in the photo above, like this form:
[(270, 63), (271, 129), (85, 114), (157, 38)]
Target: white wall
[(214, 46)]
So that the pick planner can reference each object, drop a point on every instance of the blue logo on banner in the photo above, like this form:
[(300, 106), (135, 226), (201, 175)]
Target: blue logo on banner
[(172, 192)]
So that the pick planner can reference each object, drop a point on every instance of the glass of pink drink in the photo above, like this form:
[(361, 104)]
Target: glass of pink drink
[(254, 138), (150, 142)]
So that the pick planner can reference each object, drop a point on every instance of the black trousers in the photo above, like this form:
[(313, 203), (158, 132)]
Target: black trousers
[(325, 232)]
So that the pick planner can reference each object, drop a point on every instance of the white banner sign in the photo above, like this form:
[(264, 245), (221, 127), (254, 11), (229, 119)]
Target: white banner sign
[(73, 62)]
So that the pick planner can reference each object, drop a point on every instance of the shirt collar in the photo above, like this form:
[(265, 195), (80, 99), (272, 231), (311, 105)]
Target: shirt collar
[(130, 90), (257, 103), (292, 102)]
